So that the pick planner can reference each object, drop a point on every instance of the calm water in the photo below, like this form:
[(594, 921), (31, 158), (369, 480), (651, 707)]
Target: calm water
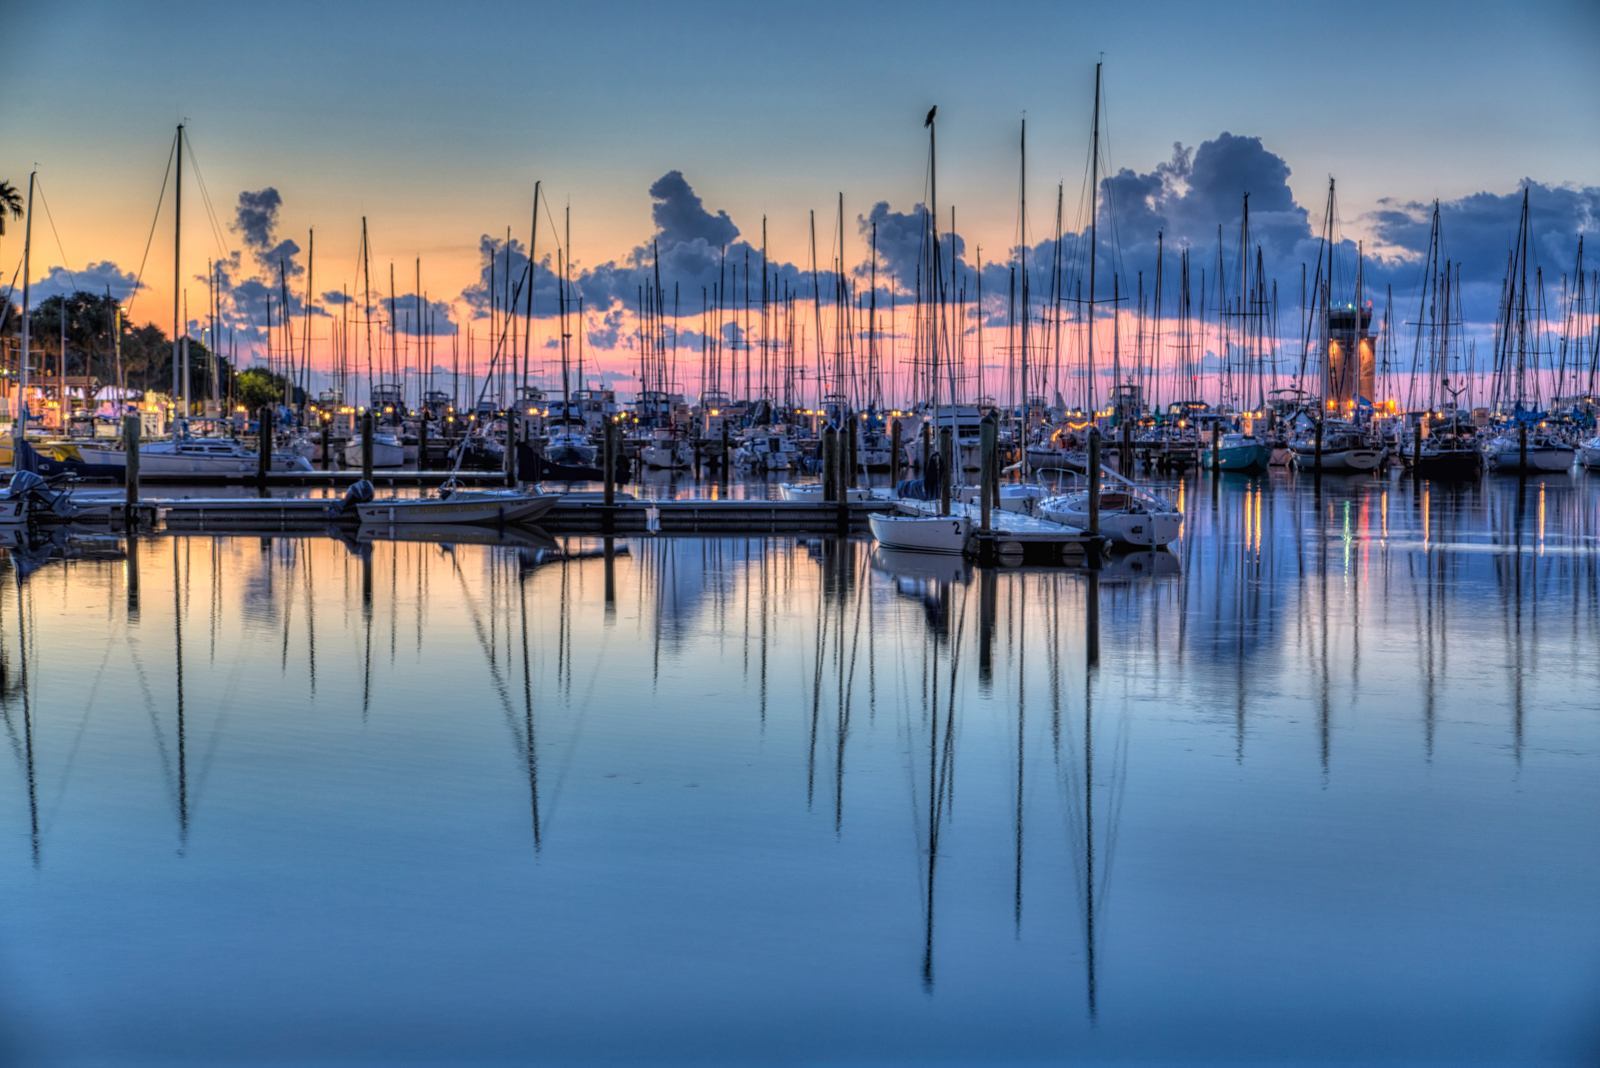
[(1322, 785)]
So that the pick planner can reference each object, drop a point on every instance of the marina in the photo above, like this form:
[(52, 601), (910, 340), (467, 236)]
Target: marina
[(999, 536)]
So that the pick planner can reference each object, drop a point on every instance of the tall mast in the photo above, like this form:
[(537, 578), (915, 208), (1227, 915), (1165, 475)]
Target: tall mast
[(177, 282), (933, 287), (366, 299), (1022, 252), (1094, 219), (533, 240), (27, 253)]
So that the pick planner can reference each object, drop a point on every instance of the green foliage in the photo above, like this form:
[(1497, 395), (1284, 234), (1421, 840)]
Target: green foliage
[(258, 387)]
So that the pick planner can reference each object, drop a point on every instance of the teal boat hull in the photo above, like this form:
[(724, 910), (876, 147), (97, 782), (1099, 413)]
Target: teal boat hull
[(1241, 458)]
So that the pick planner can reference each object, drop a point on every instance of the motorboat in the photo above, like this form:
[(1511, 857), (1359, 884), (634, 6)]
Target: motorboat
[(387, 451), (1589, 453), (1237, 452), (668, 448), (873, 450), (1542, 453), (194, 456), (767, 452), (31, 497), (1128, 515), (457, 507), (812, 491), (921, 533)]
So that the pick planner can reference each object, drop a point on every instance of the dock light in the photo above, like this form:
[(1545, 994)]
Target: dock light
[(530, 411), (715, 411)]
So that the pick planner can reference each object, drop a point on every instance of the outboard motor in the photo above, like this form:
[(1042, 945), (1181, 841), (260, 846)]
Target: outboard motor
[(24, 482), (360, 492), (36, 491)]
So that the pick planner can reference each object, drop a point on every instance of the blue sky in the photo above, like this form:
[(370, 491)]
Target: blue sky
[(434, 121)]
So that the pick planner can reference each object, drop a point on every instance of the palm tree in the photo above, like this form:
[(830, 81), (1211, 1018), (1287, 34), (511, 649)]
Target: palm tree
[(10, 201)]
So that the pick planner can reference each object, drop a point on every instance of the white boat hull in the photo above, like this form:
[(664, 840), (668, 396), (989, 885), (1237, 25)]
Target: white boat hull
[(922, 533), (1589, 453), (812, 491), (153, 462), (1551, 460), (1148, 530), (383, 454), (470, 508), (669, 457), (1342, 460)]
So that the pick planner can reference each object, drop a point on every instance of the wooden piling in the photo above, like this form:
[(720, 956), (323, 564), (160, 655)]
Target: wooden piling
[(846, 476), (1317, 455), (830, 464), (1416, 451), (130, 443), (422, 444), (263, 445), (608, 462), (1094, 482), (366, 445), (1522, 447), (1216, 447), (851, 463), (895, 444), (327, 446), (511, 448)]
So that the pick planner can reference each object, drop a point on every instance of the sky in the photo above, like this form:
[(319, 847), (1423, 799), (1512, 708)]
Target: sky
[(683, 126)]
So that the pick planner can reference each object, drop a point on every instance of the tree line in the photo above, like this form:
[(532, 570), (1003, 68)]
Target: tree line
[(91, 325)]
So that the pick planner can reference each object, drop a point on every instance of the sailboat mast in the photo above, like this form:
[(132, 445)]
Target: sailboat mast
[(1094, 219), (27, 254), (1022, 254), (177, 279)]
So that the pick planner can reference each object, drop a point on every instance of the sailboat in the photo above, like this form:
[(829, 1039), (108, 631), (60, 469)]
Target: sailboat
[(1527, 445), (921, 532), (1128, 514)]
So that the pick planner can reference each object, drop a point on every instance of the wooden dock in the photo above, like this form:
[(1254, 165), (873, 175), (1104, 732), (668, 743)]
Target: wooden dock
[(584, 513)]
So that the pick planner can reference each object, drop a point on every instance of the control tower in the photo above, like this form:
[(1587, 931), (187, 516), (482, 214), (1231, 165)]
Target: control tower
[(1351, 367)]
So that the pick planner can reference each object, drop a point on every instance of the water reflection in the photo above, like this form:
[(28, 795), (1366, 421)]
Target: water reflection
[(709, 742)]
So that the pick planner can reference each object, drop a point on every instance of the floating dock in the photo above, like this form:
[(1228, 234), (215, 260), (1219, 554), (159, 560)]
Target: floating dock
[(577, 513)]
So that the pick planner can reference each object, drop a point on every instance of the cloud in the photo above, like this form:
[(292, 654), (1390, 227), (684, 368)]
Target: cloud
[(92, 278), (1478, 231), (256, 221), (407, 310), (681, 218)]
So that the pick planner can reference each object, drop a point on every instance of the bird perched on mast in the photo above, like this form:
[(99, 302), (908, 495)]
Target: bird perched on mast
[(929, 120)]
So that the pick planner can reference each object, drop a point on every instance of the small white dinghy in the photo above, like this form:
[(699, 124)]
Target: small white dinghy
[(812, 491), (921, 533), (451, 506)]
